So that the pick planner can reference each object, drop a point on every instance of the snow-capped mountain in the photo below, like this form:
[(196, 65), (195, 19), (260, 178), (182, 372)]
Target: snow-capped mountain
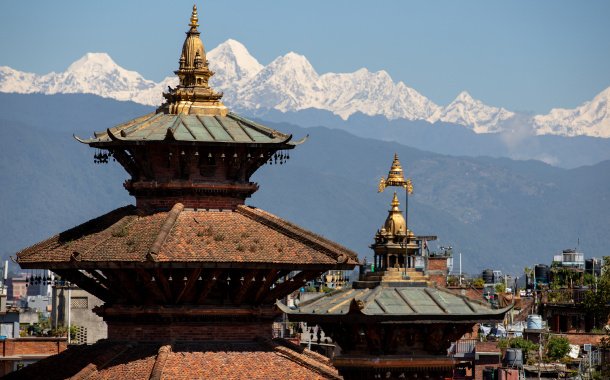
[(95, 73), (591, 119), (290, 83)]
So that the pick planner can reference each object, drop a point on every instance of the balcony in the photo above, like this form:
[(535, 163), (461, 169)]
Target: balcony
[(463, 348)]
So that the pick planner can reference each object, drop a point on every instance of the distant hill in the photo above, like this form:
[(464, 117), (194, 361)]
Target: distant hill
[(498, 212), (455, 139)]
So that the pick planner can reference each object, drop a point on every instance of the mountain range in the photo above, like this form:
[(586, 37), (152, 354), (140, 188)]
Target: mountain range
[(500, 213), (290, 84)]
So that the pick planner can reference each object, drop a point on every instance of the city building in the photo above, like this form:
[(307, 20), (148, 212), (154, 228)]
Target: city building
[(73, 301), (189, 276)]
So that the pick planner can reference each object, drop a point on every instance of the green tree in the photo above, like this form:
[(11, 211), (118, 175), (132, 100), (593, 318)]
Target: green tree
[(558, 347)]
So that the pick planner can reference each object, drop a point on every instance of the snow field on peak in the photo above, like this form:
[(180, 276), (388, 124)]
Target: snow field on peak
[(290, 83)]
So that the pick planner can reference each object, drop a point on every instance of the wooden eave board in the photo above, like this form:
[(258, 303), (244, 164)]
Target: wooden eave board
[(215, 128), (235, 129)]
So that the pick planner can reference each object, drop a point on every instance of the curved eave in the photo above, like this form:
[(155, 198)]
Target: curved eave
[(494, 316), (178, 264), (197, 130)]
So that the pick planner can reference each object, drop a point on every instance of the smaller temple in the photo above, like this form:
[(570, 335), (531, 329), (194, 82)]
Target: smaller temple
[(397, 321)]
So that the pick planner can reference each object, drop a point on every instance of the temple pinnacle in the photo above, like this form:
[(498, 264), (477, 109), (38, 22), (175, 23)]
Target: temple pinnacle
[(194, 18)]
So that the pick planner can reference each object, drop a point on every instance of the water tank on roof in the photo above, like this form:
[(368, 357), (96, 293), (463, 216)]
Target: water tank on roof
[(589, 266), (488, 276), (513, 357), (542, 272), (534, 322), (488, 374), (569, 251)]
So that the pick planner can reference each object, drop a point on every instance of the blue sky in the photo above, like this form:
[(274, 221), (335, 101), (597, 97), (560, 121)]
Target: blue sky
[(520, 55)]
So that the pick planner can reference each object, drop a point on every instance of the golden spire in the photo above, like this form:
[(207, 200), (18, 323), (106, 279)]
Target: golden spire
[(194, 18), (394, 222), (396, 178), (395, 201)]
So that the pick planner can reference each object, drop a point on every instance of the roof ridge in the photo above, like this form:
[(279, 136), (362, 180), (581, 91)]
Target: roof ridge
[(99, 362), (298, 233), (300, 359), (164, 351), (164, 231), (303, 351)]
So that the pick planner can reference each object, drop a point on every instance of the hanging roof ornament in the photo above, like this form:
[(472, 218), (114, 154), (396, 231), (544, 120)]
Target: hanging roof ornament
[(396, 178)]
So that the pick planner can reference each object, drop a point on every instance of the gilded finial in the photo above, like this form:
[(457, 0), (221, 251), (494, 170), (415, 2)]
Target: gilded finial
[(194, 18), (396, 177), (395, 201)]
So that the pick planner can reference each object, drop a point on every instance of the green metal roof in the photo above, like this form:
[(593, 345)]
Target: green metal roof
[(160, 127), (431, 304)]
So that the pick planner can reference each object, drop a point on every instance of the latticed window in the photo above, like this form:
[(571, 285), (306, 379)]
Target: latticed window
[(81, 335), (79, 303)]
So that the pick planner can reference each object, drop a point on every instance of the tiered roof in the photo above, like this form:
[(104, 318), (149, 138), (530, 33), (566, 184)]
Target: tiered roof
[(200, 130), (420, 304), (257, 359), (214, 239)]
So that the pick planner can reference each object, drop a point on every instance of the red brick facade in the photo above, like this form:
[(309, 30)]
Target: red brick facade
[(575, 338), (32, 347), (437, 270), (188, 331), (203, 203)]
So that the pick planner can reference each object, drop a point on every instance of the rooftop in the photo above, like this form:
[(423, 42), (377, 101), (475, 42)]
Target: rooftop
[(415, 304), (257, 359), (153, 237), (160, 128)]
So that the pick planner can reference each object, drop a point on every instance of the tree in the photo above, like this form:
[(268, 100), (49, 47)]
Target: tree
[(596, 302), (558, 347)]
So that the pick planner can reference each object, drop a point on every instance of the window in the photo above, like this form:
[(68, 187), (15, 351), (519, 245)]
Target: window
[(79, 303)]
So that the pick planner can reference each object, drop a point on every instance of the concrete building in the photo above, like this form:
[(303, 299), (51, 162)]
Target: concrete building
[(92, 327)]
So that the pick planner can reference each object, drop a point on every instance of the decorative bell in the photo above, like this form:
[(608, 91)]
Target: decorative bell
[(153, 279), (196, 153), (170, 278), (182, 154), (210, 155)]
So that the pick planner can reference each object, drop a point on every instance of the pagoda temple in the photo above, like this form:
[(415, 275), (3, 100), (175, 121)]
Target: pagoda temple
[(397, 321), (189, 275)]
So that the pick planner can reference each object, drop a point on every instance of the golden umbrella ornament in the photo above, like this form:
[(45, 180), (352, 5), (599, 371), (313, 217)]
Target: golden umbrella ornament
[(397, 178)]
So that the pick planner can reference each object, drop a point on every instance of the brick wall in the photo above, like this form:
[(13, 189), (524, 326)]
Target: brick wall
[(574, 338), (487, 347), (191, 202), (187, 331), (33, 346), (437, 263), (583, 338), (28, 346), (484, 362), (440, 280)]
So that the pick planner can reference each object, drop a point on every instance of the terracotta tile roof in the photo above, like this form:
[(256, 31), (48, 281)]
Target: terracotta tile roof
[(131, 234), (259, 359)]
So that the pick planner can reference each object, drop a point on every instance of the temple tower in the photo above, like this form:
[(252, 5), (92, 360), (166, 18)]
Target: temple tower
[(189, 260)]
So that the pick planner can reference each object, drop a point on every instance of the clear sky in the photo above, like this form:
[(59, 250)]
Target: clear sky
[(520, 55)]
